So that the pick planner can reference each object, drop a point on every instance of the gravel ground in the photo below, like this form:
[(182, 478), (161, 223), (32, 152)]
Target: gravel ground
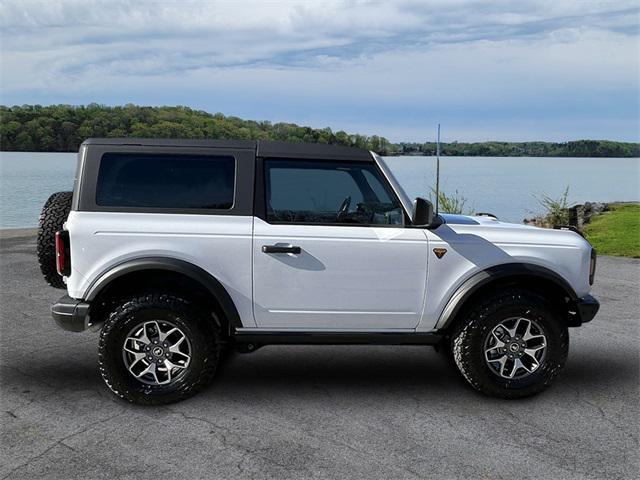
[(314, 412)]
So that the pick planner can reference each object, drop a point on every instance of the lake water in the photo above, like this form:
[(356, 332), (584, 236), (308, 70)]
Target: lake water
[(503, 186)]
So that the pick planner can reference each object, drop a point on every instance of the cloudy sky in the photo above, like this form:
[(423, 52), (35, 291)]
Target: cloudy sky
[(521, 70)]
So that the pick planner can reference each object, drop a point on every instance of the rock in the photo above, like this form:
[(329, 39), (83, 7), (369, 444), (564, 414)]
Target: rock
[(580, 215)]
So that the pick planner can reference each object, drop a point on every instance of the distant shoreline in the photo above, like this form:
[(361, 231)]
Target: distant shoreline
[(385, 155), (62, 128), (501, 156)]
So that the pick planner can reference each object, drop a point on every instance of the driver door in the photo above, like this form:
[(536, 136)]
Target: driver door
[(331, 252)]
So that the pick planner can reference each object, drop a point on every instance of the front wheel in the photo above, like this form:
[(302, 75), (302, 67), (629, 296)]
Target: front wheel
[(512, 344), (157, 349)]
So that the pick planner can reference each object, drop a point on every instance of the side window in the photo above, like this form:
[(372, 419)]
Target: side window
[(147, 180), (324, 192)]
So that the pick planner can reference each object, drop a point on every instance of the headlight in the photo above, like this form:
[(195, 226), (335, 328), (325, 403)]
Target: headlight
[(592, 266)]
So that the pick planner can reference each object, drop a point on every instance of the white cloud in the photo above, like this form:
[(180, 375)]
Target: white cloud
[(329, 62)]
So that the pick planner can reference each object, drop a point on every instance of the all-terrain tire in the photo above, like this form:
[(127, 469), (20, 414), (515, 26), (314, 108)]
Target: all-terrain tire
[(468, 343), (54, 213), (198, 327)]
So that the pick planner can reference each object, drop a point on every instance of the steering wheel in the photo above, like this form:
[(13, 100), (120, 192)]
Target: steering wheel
[(344, 207)]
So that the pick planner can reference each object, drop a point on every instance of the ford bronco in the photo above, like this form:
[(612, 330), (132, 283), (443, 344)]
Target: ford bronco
[(176, 250)]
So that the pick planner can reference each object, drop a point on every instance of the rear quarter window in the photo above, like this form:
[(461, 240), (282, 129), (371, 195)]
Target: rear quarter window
[(148, 180)]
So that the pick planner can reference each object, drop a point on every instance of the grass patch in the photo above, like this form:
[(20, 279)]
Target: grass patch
[(616, 232)]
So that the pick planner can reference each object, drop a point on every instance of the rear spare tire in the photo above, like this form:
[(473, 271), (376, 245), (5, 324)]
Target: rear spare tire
[(54, 213)]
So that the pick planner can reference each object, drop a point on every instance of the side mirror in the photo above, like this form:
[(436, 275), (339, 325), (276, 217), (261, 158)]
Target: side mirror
[(422, 213)]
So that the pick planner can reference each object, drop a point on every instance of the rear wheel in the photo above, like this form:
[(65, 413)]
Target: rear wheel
[(158, 348), (512, 345), (54, 213)]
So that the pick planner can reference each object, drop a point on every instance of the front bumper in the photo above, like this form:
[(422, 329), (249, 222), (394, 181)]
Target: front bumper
[(71, 314), (587, 307)]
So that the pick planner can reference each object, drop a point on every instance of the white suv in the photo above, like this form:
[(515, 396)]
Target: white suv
[(177, 249)]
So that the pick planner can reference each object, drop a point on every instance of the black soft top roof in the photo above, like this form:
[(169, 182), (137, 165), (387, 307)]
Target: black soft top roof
[(262, 148)]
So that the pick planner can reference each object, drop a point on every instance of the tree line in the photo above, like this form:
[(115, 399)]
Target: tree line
[(577, 148), (61, 128)]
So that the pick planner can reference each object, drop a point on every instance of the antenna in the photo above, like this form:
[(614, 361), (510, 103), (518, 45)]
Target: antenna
[(438, 172)]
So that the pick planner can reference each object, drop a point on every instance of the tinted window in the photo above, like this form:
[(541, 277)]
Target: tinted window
[(301, 191), (165, 181)]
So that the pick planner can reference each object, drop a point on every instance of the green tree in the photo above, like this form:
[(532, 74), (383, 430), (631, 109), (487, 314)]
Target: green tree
[(63, 127)]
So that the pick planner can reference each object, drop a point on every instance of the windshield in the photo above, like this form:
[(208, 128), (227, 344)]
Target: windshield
[(402, 195)]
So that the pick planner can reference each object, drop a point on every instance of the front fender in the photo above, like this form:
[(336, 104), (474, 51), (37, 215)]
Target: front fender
[(494, 274)]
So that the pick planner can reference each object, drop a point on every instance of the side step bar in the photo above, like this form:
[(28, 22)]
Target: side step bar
[(336, 338)]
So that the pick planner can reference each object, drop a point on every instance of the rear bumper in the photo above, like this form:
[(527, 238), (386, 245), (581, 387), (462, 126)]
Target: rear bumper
[(71, 314), (587, 308)]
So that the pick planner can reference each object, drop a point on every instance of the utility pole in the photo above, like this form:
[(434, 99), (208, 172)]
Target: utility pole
[(438, 172)]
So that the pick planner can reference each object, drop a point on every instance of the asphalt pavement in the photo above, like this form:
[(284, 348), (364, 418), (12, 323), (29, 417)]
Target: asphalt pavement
[(339, 412)]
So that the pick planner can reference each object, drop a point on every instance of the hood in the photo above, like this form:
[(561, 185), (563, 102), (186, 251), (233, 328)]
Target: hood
[(494, 230), (486, 220), (454, 219)]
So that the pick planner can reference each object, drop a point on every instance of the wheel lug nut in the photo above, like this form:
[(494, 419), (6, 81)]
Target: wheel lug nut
[(150, 357)]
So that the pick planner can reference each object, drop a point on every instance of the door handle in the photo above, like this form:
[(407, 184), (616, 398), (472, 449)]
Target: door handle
[(281, 249)]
